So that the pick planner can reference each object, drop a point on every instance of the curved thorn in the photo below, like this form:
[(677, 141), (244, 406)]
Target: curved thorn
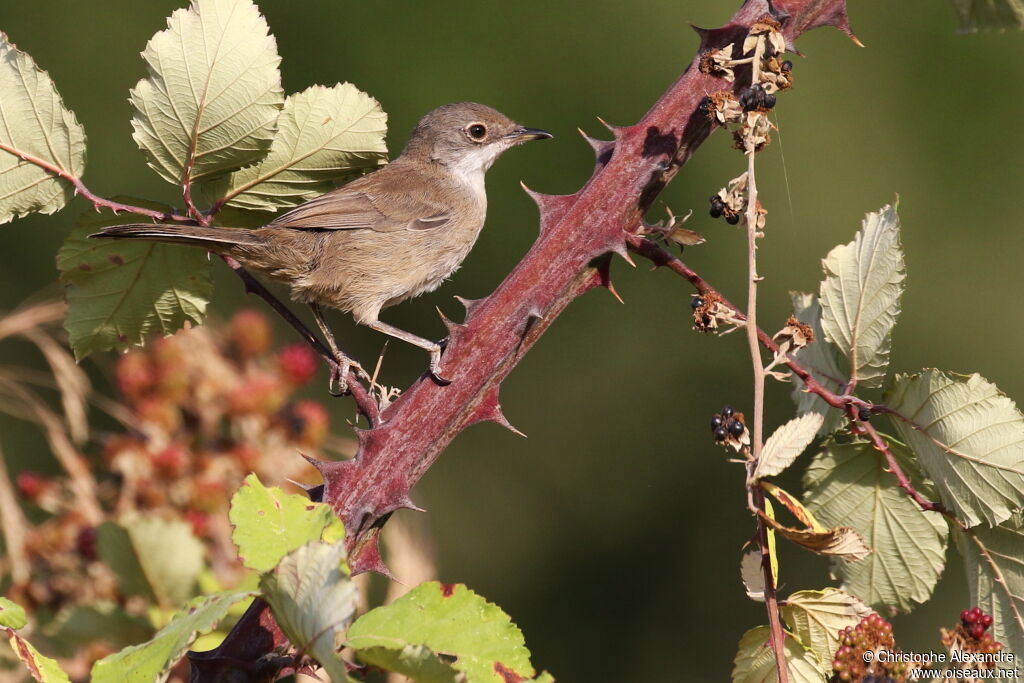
[(611, 288)]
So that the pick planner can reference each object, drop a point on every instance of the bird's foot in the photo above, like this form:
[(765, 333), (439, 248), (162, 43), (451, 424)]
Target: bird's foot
[(435, 362), (341, 366)]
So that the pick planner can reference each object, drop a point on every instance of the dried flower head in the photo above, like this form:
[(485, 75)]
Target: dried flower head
[(718, 62), (709, 313), (794, 336)]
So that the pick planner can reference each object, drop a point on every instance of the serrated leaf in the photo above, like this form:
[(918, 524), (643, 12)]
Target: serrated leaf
[(35, 127), (213, 94), (325, 136), (968, 437), (448, 619), (12, 615), (755, 660), (995, 577), (989, 15), (153, 557), (787, 443), (313, 600), (817, 617), (820, 359), (269, 523), (860, 295), (153, 660), (43, 669), (849, 484), (121, 291)]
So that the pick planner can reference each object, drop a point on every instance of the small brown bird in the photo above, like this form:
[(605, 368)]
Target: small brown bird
[(386, 237)]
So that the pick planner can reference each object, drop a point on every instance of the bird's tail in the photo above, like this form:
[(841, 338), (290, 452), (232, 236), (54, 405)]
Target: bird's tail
[(215, 239)]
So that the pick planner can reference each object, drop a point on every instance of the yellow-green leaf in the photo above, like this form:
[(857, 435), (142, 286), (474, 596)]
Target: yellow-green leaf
[(849, 484), (325, 136), (817, 617), (269, 523), (119, 292), (39, 137), (995, 577), (211, 100), (755, 660), (313, 600), (860, 295), (968, 437)]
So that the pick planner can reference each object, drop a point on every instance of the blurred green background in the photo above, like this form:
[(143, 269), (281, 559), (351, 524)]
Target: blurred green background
[(612, 534)]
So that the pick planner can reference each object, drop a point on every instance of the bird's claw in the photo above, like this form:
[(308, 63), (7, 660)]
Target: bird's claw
[(337, 385), (435, 362), (340, 368)]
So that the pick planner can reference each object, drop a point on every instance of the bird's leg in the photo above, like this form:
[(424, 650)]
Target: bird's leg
[(339, 373), (433, 348)]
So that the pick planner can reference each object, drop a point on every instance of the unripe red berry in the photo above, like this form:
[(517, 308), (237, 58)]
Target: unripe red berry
[(297, 363), (171, 461), (31, 485), (134, 374), (250, 333)]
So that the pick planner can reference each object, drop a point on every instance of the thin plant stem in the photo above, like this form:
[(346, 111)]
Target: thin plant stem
[(777, 635)]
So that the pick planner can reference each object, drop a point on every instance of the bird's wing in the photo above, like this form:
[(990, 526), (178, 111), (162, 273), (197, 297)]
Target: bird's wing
[(377, 206)]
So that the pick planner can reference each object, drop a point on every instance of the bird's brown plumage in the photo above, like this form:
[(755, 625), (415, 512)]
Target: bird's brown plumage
[(390, 235)]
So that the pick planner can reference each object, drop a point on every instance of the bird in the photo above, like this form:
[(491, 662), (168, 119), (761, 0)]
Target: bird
[(388, 236)]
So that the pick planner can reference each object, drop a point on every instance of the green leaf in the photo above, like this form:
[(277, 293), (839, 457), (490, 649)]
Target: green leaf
[(989, 15), (121, 291), (968, 437), (860, 295), (42, 668), (848, 484), (325, 136), (817, 617), (12, 615), (820, 359), (213, 94), (313, 600), (448, 619), (153, 557), (755, 660), (152, 661), (416, 662), (35, 128), (786, 444), (80, 625), (995, 577), (269, 523)]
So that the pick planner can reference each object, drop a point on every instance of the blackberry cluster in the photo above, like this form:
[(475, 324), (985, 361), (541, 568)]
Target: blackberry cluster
[(754, 97), (719, 208), (727, 423), (975, 624), (873, 633)]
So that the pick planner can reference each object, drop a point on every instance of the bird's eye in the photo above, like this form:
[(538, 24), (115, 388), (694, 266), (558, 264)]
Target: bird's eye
[(476, 131)]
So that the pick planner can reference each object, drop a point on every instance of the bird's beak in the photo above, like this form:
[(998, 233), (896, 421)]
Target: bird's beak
[(524, 134)]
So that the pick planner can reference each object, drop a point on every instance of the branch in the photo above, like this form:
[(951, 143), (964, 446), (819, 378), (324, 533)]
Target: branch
[(81, 189), (845, 402), (577, 232)]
